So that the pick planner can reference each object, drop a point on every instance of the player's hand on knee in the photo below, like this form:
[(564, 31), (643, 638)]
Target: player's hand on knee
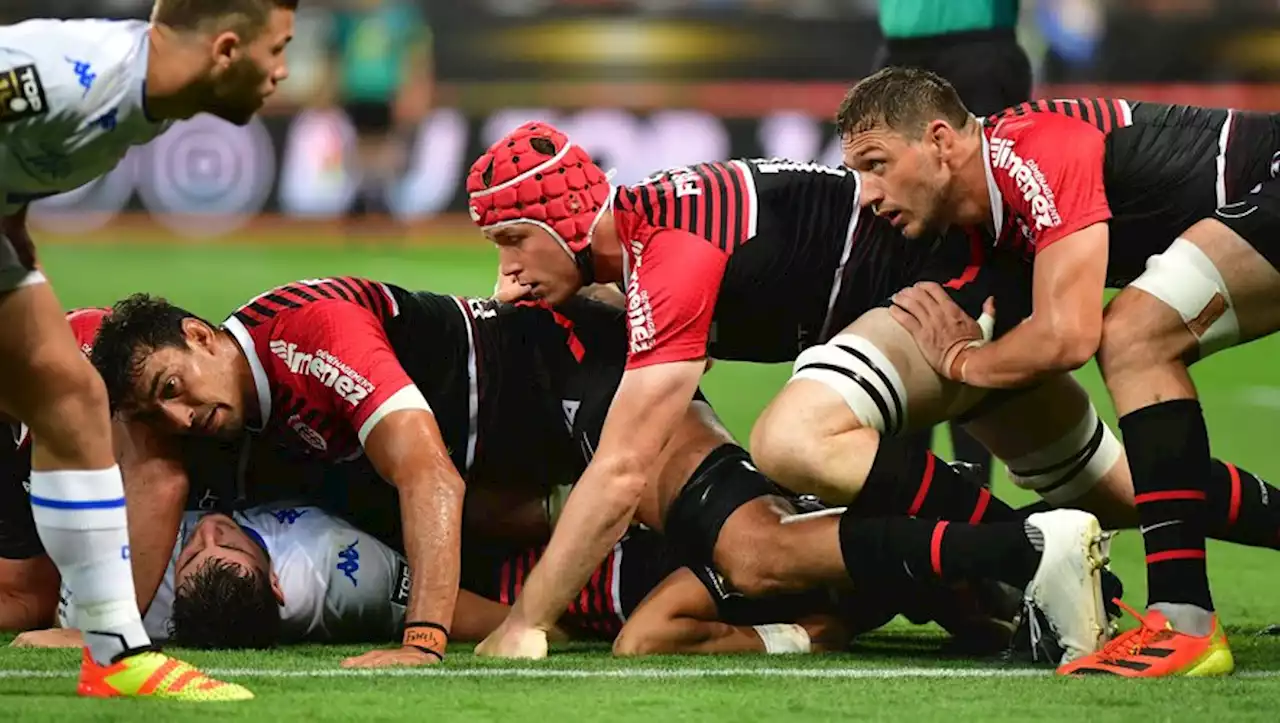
[(51, 638), (512, 640), (939, 326), (404, 656)]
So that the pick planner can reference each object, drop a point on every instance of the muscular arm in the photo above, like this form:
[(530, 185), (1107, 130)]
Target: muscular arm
[(649, 403), (155, 485), (1065, 326), (407, 451)]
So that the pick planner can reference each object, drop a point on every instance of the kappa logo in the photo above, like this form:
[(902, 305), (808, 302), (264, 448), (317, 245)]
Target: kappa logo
[(350, 564), (309, 435), (329, 369), (1029, 180)]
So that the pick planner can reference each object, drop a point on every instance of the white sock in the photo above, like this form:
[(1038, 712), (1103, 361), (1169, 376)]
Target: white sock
[(80, 516)]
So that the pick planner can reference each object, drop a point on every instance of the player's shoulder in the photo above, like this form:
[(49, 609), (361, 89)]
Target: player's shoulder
[(67, 67)]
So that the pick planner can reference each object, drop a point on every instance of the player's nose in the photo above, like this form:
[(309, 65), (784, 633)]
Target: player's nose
[(872, 191), (179, 417), (508, 265)]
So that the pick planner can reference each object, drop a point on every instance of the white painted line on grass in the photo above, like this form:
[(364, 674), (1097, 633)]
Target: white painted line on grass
[(623, 673)]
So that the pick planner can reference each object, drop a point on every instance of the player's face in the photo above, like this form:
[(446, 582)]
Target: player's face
[(528, 254), (245, 74), (903, 180), (191, 390), (218, 537)]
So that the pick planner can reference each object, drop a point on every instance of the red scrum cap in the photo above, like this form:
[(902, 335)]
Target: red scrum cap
[(535, 175), (85, 324)]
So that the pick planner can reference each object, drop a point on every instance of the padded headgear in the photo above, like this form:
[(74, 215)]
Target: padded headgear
[(85, 324), (535, 175)]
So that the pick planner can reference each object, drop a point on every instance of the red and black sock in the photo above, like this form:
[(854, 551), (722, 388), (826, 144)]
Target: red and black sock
[(907, 479), (1242, 508), (1168, 449), (895, 550)]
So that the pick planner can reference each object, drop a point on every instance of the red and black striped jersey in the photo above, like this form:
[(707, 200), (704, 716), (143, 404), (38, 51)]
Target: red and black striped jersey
[(331, 357), (750, 259), (634, 566), (322, 363), (1149, 170)]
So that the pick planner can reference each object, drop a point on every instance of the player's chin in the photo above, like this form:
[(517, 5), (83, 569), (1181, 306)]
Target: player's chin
[(553, 295)]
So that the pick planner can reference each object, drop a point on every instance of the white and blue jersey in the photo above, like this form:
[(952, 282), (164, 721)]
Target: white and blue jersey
[(338, 583)]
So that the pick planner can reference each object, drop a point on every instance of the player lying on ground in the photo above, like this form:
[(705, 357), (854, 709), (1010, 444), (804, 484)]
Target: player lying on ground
[(78, 95), (439, 393), (1175, 203), (483, 366), (777, 256), (279, 574)]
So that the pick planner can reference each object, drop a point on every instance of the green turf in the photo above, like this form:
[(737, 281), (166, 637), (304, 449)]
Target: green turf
[(1242, 404)]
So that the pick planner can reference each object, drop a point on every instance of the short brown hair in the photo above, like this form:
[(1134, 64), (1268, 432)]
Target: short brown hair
[(245, 16), (903, 100)]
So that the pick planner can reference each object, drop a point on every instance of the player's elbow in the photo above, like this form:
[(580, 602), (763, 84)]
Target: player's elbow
[(624, 477), (1076, 341)]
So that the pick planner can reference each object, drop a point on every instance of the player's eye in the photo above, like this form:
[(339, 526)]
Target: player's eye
[(170, 388)]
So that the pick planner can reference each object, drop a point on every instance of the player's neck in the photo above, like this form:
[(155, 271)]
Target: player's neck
[(244, 380), (973, 202), (606, 250), (173, 71)]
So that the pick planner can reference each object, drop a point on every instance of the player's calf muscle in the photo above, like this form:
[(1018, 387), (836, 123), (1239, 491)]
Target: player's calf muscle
[(72, 429)]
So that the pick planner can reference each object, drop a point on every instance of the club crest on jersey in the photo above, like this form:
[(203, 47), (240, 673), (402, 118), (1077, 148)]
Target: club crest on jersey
[(309, 435), (1029, 180), (326, 367), (21, 94)]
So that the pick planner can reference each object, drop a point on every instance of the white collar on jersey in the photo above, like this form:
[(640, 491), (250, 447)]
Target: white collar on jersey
[(250, 351), (139, 71), (993, 191)]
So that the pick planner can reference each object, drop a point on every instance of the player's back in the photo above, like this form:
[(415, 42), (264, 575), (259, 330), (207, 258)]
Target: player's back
[(71, 103), (797, 241), (1165, 167)]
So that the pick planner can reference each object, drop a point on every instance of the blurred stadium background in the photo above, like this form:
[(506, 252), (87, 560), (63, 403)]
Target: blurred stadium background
[(357, 167)]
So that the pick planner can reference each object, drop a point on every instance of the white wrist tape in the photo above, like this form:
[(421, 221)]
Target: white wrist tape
[(781, 639)]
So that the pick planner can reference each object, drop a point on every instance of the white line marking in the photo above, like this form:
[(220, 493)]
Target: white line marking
[(624, 674)]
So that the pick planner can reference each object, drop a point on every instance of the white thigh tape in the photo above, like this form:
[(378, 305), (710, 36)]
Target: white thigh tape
[(1068, 468), (1185, 279), (863, 376)]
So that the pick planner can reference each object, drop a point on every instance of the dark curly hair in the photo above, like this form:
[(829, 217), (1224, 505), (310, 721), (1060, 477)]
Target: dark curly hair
[(136, 327), (222, 605)]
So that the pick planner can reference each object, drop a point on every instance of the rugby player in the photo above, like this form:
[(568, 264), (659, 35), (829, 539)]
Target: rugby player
[(757, 260), (28, 578), (74, 97), (1176, 204), (437, 392)]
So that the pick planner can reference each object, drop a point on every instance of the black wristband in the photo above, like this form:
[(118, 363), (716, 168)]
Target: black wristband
[(427, 624), (439, 655)]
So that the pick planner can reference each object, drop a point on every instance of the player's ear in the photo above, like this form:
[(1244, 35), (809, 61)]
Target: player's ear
[(199, 334), (276, 589), (225, 45)]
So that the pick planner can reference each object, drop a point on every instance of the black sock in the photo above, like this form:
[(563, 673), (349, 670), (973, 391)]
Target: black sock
[(907, 479), (1242, 508), (967, 449), (896, 550), (1168, 448), (1033, 508)]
